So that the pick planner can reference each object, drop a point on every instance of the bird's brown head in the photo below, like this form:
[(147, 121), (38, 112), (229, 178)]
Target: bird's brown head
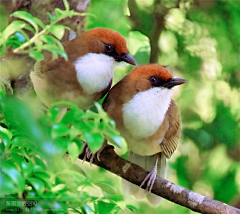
[(149, 76), (109, 42)]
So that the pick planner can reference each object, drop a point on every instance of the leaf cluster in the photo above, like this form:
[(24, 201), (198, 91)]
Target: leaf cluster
[(43, 37), (31, 155)]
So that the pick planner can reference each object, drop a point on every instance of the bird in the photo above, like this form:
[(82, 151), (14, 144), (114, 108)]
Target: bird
[(146, 116), (87, 74)]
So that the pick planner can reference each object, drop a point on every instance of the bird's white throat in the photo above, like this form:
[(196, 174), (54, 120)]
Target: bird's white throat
[(145, 112), (94, 71)]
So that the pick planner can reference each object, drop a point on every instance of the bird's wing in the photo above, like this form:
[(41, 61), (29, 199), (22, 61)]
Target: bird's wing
[(172, 135)]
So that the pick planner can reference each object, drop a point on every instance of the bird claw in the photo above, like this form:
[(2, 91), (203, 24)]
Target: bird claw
[(89, 155), (151, 177)]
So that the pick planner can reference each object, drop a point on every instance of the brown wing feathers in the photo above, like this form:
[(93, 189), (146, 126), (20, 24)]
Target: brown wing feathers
[(171, 137)]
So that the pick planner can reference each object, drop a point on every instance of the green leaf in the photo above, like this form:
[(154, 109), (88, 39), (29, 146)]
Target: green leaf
[(17, 158), (57, 31), (106, 186), (117, 140), (94, 141), (38, 168), (40, 162), (39, 22), (22, 141), (58, 188), (55, 148), (86, 209), (54, 50), (53, 113), (37, 184), (6, 185), (72, 115), (79, 143), (36, 55), (60, 129), (51, 17), (73, 150), (17, 151), (104, 207), (30, 28), (11, 170), (58, 12), (27, 168), (2, 89), (26, 17), (2, 148), (45, 177), (6, 136), (51, 40), (82, 127), (132, 208), (12, 28)]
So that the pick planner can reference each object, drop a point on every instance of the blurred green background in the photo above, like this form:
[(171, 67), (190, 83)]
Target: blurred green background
[(200, 42)]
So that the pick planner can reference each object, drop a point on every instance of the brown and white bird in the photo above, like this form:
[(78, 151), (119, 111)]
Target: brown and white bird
[(148, 118), (87, 75)]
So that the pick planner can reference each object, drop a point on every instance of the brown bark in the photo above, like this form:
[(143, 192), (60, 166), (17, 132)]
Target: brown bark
[(110, 161)]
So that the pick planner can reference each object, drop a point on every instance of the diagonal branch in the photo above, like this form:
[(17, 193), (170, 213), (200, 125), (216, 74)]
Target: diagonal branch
[(172, 192)]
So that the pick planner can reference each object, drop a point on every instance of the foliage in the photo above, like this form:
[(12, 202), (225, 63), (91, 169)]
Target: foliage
[(45, 37), (31, 155), (197, 43)]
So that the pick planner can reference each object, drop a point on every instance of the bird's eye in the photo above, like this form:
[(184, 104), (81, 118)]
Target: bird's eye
[(109, 48), (154, 80)]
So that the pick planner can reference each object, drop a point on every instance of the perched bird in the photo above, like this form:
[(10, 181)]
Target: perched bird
[(148, 119), (87, 75)]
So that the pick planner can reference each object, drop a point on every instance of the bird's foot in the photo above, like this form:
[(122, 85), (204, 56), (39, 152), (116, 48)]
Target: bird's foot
[(150, 179), (89, 155), (151, 176)]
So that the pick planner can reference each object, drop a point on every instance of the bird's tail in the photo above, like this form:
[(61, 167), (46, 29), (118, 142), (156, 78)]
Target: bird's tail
[(146, 162)]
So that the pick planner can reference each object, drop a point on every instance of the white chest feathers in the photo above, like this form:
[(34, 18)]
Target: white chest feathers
[(94, 72), (145, 112)]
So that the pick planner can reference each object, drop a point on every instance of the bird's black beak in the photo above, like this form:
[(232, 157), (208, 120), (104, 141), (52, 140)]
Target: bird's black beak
[(173, 82), (127, 58)]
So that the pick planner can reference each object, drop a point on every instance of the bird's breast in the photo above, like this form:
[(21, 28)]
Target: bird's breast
[(145, 112), (94, 72)]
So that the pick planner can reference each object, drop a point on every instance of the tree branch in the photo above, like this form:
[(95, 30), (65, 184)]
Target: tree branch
[(150, 22), (166, 189)]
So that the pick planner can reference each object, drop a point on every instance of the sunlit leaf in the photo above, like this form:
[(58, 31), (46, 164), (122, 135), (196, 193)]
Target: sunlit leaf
[(36, 55), (94, 141), (72, 115), (12, 28), (5, 136), (27, 17), (60, 129), (73, 150), (104, 207), (58, 12), (57, 31), (11, 170), (58, 188), (37, 184), (26, 167), (51, 17)]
